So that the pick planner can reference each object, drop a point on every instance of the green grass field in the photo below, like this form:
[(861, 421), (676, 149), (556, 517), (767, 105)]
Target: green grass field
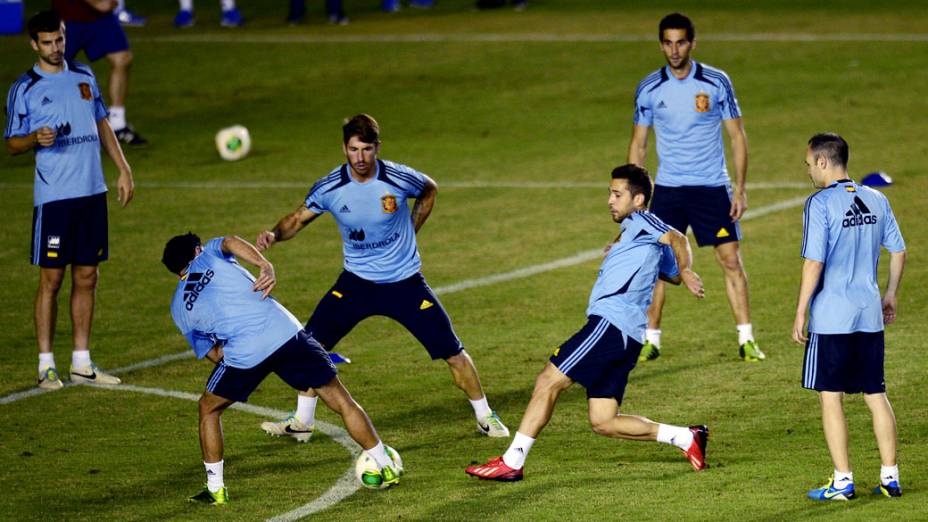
[(518, 132)]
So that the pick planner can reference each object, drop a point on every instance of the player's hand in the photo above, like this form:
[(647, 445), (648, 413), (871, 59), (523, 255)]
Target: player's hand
[(607, 248), (799, 328), (693, 283), (739, 203), (265, 240), (266, 281), (125, 188), (46, 136), (889, 309)]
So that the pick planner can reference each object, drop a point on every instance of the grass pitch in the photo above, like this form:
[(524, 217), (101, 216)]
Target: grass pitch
[(548, 105)]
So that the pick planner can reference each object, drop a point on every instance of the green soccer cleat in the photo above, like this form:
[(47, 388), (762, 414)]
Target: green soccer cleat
[(391, 476), (891, 490), (49, 379), (492, 426), (93, 374), (289, 427), (206, 496), (750, 352), (649, 352)]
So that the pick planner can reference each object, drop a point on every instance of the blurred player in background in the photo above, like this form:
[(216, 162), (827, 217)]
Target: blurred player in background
[(230, 14)]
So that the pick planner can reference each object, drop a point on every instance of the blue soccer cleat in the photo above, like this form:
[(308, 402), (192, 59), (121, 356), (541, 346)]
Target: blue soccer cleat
[(893, 489), (338, 358), (231, 18), (184, 19), (829, 492)]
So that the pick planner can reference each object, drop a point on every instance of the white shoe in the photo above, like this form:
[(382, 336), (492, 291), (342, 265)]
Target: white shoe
[(492, 426), (49, 379), (289, 427), (93, 374)]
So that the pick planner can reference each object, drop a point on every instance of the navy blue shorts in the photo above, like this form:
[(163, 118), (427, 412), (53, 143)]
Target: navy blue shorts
[(98, 38), (301, 362), (409, 302), (599, 357), (706, 209), (70, 231), (850, 363)]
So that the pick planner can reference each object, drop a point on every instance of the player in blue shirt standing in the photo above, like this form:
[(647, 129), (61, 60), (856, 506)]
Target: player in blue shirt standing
[(228, 317), (844, 226), (55, 109), (367, 198), (687, 103), (602, 354)]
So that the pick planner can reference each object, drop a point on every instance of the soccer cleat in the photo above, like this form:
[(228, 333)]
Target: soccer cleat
[(289, 427), (128, 136), (206, 496), (492, 426), (697, 451), (495, 469), (231, 18), (49, 379), (93, 374), (829, 492), (391, 476), (893, 489), (750, 352), (184, 19), (130, 19), (649, 352), (338, 358)]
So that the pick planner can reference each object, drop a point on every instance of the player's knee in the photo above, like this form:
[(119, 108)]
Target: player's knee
[(121, 60), (458, 361), (51, 282), (85, 279), (600, 425), (731, 262)]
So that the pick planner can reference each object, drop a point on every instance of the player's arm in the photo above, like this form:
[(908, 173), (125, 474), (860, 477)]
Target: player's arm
[(424, 203), (44, 137), (125, 185), (638, 146), (811, 272), (896, 264), (215, 353), (246, 252), (739, 150), (286, 228), (683, 254)]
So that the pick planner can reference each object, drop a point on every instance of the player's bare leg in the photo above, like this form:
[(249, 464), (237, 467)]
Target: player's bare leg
[(83, 295), (211, 408), (548, 387), (835, 426), (465, 375), (120, 63), (884, 426), (359, 426), (607, 421), (728, 256), (46, 306)]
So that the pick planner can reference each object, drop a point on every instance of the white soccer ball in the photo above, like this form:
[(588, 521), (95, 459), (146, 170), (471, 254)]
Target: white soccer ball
[(233, 143), (365, 469)]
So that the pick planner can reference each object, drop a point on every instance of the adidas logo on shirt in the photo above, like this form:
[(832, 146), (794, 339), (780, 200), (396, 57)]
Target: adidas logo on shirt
[(45, 101), (196, 282), (858, 215), (345, 209), (661, 105)]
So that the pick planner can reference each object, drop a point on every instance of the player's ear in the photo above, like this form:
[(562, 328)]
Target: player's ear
[(638, 200)]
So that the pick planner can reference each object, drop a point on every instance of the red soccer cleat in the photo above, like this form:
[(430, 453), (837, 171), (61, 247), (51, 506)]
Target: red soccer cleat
[(697, 451), (495, 469)]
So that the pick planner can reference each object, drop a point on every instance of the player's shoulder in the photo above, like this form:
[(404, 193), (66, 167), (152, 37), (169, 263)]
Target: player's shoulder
[(713, 75), (652, 81), (646, 218), (330, 181), (80, 68), (392, 172), (24, 82)]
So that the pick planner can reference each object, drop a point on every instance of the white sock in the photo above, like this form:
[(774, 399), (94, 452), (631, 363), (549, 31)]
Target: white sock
[(227, 5), (214, 475), (80, 358), (117, 117), (481, 408), (46, 360), (186, 5), (843, 480), (677, 435), (745, 333), (653, 336), (889, 474), (306, 409), (518, 450), (379, 454)]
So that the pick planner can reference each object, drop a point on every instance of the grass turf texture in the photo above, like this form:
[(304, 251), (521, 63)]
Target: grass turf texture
[(464, 112)]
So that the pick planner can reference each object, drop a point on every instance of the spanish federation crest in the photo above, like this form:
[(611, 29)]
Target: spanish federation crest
[(702, 102), (388, 203), (85, 91)]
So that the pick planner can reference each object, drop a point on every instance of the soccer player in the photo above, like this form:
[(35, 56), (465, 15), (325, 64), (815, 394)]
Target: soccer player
[(93, 26), (844, 225), (228, 316), (367, 198), (687, 103), (230, 14), (55, 109), (602, 354)]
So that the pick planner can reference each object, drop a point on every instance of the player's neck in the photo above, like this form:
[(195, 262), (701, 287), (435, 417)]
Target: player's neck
[(683, 71), (835, 176), (50, 68)]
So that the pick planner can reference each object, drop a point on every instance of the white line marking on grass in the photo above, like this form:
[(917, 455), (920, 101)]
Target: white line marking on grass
[(524, 38)]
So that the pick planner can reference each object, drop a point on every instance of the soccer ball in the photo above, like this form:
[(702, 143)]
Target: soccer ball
[(365, 469), (233, 143)]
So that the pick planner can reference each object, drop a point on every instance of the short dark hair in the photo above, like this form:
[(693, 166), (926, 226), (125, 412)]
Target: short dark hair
[(639, 181), (180, 251), (676, 21), (46, 21), (832, 146), (364, 126)]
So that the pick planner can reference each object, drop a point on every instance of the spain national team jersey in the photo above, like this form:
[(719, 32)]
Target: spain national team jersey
[(686, 115), (215, 304), (844, 226), (70, 103), (379, 241), (622, 291)]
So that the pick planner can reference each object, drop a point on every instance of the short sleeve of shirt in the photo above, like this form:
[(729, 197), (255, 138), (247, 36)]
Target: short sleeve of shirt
[(214, 248), (814, 230), (668, 265), (892, 236), (99, 107), (17, 116), (200, 342), (316, 199), (727, 102), (644, 114), (411, 180), (648, 224)]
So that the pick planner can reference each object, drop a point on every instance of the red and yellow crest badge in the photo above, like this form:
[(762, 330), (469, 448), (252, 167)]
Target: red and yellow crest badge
[(388, 203), (85, 91), (702, 102)]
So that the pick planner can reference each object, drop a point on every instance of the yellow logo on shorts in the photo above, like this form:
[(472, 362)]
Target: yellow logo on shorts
[(722, 233), (556, 351), (337, 294), (52, 254), (426, 304)]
